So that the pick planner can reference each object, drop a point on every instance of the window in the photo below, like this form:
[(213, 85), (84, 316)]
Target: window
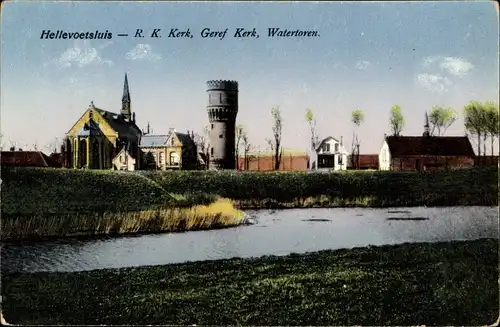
[(212, 126), (172, 142), (220, 136), (211, 151), (326, 147), (174, 159), (340, 159), (336, 147)]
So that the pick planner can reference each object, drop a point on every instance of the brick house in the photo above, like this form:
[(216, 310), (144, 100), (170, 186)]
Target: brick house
[(26, 159), (407, 153), (366, 162)]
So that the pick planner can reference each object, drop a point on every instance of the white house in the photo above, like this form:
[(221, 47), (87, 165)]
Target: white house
[(384, 157), (124, 161), (329, 154)]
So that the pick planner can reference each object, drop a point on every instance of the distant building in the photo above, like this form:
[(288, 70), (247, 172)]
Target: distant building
[(173, 151), (222, 109), (125, 161), (26, 159), (330, 155), (364, 162), (264, 161), (98, 135), (426, 152)]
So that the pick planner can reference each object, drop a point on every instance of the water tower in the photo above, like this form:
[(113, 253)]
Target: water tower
[(222, 109)]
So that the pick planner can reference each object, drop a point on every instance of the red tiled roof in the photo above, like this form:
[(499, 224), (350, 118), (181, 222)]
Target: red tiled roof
[(24, 158), (400, 146)]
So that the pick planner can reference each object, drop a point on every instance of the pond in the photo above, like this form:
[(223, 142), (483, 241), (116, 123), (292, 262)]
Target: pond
[(275, 232)]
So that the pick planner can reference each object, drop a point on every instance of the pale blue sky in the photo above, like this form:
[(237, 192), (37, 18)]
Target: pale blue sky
[(368, 56)]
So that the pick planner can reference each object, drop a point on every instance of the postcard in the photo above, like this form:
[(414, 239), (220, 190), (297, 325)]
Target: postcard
[(249, 163)]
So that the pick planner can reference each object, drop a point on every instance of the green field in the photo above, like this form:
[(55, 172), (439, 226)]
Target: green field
[(453, 283), (370, 188)]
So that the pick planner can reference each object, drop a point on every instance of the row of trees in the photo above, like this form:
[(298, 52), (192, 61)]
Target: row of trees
[(480, 119)]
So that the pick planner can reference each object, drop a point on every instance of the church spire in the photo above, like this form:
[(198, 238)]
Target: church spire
[(426, 126), (126, 111)]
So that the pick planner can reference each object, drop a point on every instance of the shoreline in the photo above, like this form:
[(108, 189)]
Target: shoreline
[(362, 286)]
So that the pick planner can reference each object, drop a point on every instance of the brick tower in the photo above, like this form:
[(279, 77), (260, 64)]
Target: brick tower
[(222, 109)]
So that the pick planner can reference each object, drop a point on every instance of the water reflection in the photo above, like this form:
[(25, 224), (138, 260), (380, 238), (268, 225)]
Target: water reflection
[(275, 233)]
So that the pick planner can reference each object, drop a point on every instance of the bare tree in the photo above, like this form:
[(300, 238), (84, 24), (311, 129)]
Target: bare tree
[(357, 118), (312, 126), (275, 143), (239, 133), (202, 142), (246, 149)]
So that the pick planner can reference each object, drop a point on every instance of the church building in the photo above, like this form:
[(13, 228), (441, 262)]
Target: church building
[(99, 136)]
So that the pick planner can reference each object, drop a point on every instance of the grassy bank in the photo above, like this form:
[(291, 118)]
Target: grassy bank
[(41, 203), (477, 186), (452, 283)]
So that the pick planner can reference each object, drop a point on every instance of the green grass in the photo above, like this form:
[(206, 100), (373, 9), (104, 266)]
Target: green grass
[(44, 203), (370, 188), (453, 283)]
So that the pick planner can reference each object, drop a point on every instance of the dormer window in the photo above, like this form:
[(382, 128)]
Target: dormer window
[(172, 141)]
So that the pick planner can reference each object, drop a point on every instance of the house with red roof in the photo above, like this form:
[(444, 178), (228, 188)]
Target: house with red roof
[(26, 159), (426, 152)]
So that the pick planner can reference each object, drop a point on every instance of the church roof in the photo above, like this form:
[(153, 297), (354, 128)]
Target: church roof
[(119, 124)]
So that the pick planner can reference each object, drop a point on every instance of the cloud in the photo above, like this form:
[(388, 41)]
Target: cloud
[(434, 83), (456, 66), (81, 55), (438, 73), (362, 64), (450, 65), (143, 52)]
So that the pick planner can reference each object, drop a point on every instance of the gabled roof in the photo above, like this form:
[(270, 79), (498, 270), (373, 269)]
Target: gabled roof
[(25, 159), (127, 152), (119, 124), (89, 129), (429, 145), (325, 140)]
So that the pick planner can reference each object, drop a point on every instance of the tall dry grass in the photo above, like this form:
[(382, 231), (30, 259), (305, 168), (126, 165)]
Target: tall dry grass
[(221, 213)]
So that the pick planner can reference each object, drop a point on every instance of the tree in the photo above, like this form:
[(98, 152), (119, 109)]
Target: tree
[(275, 143), (239, 133), (396, 120), (492, 122), (1, 141), (202, 142), (474, 121), (312, 126), (441, 119), (357, 118), (246, 149)]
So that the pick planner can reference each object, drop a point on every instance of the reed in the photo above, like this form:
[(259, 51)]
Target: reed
[(38, 226)]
